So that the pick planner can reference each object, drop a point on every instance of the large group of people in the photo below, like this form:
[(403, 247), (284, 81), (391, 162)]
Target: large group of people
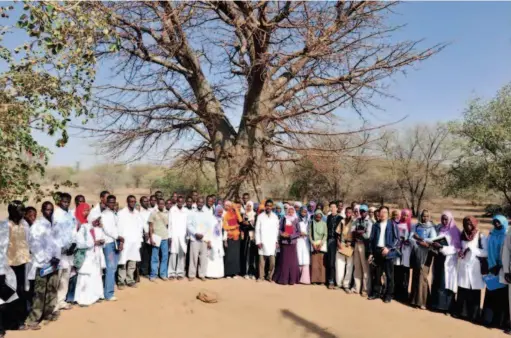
[(67, 257)]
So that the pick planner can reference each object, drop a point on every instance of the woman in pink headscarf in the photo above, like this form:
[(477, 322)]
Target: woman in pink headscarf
[(402, 264), (445, 278)]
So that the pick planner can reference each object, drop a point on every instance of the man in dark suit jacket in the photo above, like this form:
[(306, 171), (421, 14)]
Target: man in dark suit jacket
[(382, 250)]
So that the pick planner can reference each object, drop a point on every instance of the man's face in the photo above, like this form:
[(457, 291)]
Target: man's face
[(132, 201), (111, 203), (168, 204), (340, 206), (210, 202), (30, 217), (195, 195), (333, 209), (384, 214), (245, 198), (161, 205), (200, 203), (268, 207), (363, 214), (48, 211), (349, 213), (153, 201), (179, 203), (189, 203), (144, 202), (318, 217), (159, 195), (64, 203), (104, 198)]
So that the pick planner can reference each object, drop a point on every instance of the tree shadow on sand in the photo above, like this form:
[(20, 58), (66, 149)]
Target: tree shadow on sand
[(309, 326)]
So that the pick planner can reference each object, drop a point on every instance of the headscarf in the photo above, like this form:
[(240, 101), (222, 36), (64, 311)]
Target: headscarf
[(282, 212), (261, 207), (468, 236), (291, 218), (286, 206), (393, 217), (79, 213), (297, 205), (451, 229), (408, 221), (217, 231), (231, 220), (250, 214), (312, 204), (218, 209), (495, 241), (300, 217)]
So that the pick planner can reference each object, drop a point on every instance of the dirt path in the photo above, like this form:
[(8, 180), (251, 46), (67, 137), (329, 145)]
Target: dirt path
[(250, 309)]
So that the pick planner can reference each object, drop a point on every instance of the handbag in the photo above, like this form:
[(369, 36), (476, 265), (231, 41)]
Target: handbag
[(483, 260)]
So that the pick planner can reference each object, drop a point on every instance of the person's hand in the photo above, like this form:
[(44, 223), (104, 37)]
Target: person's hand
[(98, 243), (370, 259), (461, 254), (424, 244), (360, 232), (198, 236), (55, 262), (169, 241), (146, 237), (260, 246), (152, 242), (495, 270), (417, 237), (121, 239), (225, 243), (209, 245), (436, 245), (121, 246), (385, 252), (304, 234), (407, 242), (507, 277), (284, 234)]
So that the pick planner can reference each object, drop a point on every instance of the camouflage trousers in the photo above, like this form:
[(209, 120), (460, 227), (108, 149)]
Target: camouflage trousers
[(45, 297)]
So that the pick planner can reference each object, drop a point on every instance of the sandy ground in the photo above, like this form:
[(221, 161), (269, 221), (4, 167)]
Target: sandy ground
[(250, 309)]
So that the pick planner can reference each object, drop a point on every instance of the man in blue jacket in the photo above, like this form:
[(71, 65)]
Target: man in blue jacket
[(382, 250)]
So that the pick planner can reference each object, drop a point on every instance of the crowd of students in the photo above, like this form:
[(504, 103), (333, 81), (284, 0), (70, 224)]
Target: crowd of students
[(66, 257)]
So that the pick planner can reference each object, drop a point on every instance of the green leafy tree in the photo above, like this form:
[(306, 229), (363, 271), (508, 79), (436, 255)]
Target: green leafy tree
[(484, 161)]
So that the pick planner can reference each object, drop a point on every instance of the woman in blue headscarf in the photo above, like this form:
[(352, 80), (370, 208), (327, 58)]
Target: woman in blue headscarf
[(496, 302), (279, 210)]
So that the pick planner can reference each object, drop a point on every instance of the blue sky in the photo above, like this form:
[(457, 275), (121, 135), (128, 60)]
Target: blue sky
[(476, 63)]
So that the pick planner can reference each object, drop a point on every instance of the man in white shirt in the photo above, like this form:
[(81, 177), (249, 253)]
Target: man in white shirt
[(113, 245), (178, 217), (101, 206), (200, 225), (266, 238), (46, 252), (131, 229), (146, 249), (65, 227)]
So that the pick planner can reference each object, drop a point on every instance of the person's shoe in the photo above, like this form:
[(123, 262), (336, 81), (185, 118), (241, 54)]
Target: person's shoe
[(260, 280), (113, 299), (120, 287), (164, 279), (387, 300), (372, 297), (506, 331), (34, 326), (22, 327), (172, 278), (234, 277), (331, 287), (202, 279), (180, 278), (348, 291), (247, 277), (190, 279), (132, 285), (54, 316)]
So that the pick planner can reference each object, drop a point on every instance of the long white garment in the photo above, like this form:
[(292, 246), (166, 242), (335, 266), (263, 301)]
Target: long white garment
[(110, 225), (89, 284), (130, 225), (216, 253), (5, 269), (450, 266), (267, 233), (177, 229), (469, 267), (64, 223), (145, 214), (303, 246)]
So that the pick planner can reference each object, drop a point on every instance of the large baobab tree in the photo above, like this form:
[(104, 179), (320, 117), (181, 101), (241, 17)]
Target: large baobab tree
[(239, 84)]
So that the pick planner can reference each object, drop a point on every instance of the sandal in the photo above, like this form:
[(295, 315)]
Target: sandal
[(22, 327), (34, 327)]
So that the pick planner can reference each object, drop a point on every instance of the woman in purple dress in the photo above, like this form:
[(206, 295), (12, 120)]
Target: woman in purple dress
[(288, 271)]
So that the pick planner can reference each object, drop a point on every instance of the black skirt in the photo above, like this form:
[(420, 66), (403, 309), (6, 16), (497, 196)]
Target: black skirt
[(441, 299), (401, 282), (468, 304), (496, 308), (232, 258)]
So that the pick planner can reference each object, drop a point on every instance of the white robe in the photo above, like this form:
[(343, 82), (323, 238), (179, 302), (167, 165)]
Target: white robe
[(89, 284), (303, 246), (65, 229), (469, 267), (178, 229), (215, 267), (5, 269), (267, 233), (130, 225), (450, 265)]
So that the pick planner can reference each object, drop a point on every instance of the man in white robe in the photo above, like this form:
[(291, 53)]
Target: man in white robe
[(178, 217), (200, 225), (131, 229), (65, 227), (266, 238)]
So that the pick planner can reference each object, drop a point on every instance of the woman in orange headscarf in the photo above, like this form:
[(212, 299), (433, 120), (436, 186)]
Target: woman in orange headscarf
[(231, 225)]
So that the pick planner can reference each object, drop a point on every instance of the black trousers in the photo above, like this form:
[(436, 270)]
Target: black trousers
[(145, 259), (330, 260), (3, 311), (383, 266), (18, 309)]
